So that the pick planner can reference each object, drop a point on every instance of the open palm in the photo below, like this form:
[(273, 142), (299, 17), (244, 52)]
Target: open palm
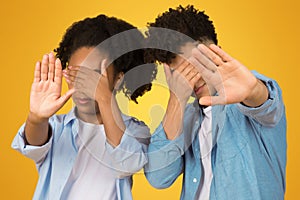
[(45, 96), (232, 80)]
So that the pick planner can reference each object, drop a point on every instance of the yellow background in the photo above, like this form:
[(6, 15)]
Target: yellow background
[(264, 35)]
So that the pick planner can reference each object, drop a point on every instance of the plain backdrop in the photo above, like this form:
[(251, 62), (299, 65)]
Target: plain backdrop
[(263, 35)]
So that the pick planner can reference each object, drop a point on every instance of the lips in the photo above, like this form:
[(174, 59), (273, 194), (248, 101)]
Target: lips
[(199, 89), (83, 100)]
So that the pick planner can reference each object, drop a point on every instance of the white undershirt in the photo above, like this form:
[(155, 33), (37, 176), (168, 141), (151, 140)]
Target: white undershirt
[(90, 178), (205, 141)]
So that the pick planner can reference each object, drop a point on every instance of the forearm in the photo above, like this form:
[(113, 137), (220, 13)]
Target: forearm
[(36, 130), (272, 110), (165, 176), (258, 95), (173, 119), (165, 159), (111, 116)]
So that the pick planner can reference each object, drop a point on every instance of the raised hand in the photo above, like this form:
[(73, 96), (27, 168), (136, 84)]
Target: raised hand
[(181, 84), (45, 95), (233, 82), (182, 80)]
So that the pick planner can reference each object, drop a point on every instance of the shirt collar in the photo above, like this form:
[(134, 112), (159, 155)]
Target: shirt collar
[(70, 116), (207, 111)]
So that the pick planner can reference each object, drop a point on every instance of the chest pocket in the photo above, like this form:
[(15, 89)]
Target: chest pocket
[(231, 137)]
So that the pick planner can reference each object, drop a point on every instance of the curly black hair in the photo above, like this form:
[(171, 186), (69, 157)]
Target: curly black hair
[(192, 25), (90, 32)]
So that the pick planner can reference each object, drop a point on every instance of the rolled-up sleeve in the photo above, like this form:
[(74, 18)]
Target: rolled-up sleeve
[(36, 153), (271, 111)]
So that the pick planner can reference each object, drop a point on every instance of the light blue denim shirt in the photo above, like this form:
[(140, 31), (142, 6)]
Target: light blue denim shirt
[(55, 159), (248, 157)]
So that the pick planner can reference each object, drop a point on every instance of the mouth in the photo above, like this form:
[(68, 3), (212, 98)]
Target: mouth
[(199, 89), (82, 100)]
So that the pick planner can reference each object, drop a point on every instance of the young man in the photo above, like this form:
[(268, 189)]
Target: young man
[(93, 151), (231, 142)]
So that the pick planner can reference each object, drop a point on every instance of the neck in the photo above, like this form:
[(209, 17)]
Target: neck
[(90, 118)]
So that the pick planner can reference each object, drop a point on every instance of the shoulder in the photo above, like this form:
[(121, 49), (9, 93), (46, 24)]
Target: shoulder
[(135, 126), (132, 120), (192, 109)]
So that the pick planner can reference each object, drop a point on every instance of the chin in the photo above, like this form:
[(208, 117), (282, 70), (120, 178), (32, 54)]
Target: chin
[(88, 109)]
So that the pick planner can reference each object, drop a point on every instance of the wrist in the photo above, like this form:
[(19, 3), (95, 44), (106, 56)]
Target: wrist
[(175, 100), (33, 118), (103, 97), (176, 103), (259, 94), (104, 100)]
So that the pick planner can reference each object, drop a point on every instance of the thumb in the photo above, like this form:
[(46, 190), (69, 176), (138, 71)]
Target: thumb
[(212, 100), (63, 99)]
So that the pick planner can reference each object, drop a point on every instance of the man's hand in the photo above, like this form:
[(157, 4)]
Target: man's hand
[(181, 81), (233, 82), (181, 84)]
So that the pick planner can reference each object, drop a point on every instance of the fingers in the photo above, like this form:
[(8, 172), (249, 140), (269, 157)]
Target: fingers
[(64, 98), (75, 74), (194, 79), (51, 66), (185, 70), (81, 77), (222, 54), (44, 68), (212, 100), (183, 67), (203, 57), (205, 73), (216, 59), (191, 72), (57, 71), (49, 69), (37, 72)]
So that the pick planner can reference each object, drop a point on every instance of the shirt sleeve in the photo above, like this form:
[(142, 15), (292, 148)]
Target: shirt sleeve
[(271, 111), (165, 159), (130, 155), (36, 153)]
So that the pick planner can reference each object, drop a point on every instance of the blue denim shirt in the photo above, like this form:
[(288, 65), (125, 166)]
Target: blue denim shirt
[(248, 157), (55, 159)]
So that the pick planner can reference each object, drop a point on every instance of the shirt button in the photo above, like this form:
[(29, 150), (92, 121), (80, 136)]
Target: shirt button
[(194, 180)]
